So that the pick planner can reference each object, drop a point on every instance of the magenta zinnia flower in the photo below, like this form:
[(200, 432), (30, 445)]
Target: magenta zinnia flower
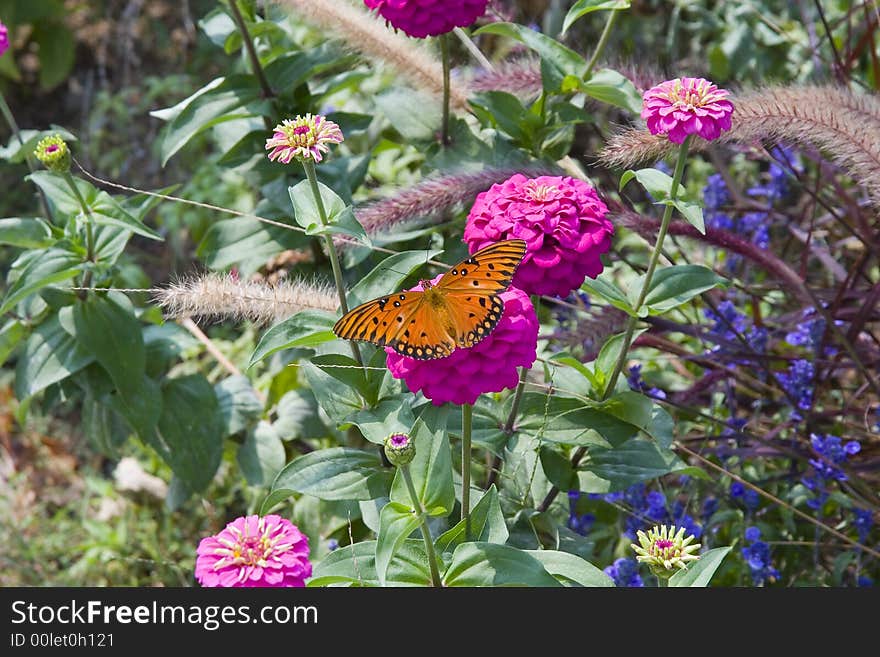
[(4, 39), (423, 18), (255, 551), (562, 221), (687, 106), (489, 366), (304, 138)]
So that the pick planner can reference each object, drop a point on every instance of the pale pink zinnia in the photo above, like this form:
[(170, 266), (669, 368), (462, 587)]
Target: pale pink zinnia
[(423, 18), (687, 106), (489, 366), (562, 220), (255, 551), (4, 39), (303, 138)]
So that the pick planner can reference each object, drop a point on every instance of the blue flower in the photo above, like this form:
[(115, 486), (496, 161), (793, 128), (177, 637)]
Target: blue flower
[(625, 572), (710, 506), (753, 534), (757, 557), (751, 499), (864, 522), (864, 581), (798, 383), (737, 489), (332, 544), (715, 193)]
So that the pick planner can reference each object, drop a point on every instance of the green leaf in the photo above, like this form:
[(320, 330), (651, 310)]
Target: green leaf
[(488, 564), (396, 522), (567, 61), (675, 285), (583, 7), (659, 186), (52, 266), (336, 381), (261, 455), (307, 328), (356, 565), (11, 335), (50, 354), (221, 100), (190, 428), (571, 422), (340, 217), (57, 49), (609, 354), (389, 275), (605, 288), (571, 568), (414, 115), (238, 404), (390, 416), (507, 112), (617, 468), (609, 86), (337, 473), (557, 468), (297, 413), (487, 524), (103, 208), (28, 233), (699, 573), (431, 469)]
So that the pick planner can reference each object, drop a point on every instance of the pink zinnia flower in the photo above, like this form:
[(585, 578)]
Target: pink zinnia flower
[(254, 551), (562, 221), (304, 138), (4, 39), (687, 106), (423, 18), (489, 366)]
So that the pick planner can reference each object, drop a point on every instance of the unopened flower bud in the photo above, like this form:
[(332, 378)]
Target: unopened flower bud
[(53, 153), (400, 449)]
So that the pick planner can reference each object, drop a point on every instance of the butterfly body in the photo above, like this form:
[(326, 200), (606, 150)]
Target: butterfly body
[(457, 312)]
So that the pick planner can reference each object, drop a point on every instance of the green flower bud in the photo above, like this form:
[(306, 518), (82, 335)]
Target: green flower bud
[(665, 550), (400, 449), (54, 154)]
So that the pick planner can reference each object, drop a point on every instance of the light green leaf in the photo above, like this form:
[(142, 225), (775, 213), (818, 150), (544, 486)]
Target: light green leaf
[(307, 328), (488, 564), (27, 233), (337, 473), (699, 573), (355, 565), (396, 522), (583, 7), (431, 469), (246, 242), (605, 288), (50, 354), (571, 568), (388, 275), (52, 266), (609, 86), (567, 61), (238, 404), (11, 335), (675, 285), (487, 524), (659, 185), (390, 416), (261, 455), (336, 381), (617, 468)]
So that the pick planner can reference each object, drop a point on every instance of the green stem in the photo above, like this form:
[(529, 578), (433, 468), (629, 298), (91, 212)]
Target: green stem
[(312, 176), (603, 41), (662, 582), (423, 525), (251, 50), (13, 126), (444, 52), (652, 267), (633, 320), (90, 237), (467, 420)]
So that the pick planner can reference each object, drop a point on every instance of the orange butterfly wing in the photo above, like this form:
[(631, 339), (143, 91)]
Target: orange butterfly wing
[(472, 288), (460, 311)]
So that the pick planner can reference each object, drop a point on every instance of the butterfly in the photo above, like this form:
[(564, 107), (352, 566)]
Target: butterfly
[(461, 310)]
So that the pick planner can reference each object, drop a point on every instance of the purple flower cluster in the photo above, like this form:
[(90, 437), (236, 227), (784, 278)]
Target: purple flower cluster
[(798, 383), (634, 378), (832, 452), (625, 572), (729, 325), (580, 523), (864, 522), (750, 499), (757, 557)]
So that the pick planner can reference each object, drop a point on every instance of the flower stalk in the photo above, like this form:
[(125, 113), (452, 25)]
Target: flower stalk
[(444, 53), (423, 525), (467, 421)]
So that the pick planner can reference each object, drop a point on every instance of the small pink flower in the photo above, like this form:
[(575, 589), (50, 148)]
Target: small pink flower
[(255, 551), (562, 221), (489, 366), (423, 18), (4, 39), (687, 106), (304, 138)]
